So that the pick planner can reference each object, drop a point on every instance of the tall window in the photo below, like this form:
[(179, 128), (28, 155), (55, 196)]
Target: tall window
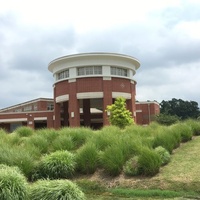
[(118, 71), (89, 70), (63, 74)]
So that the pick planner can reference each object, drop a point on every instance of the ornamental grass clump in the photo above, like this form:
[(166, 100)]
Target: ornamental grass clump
[(17, 156), (63, 142), (78, 136), (112, 160), (24, 131), (164, 155), (195, 126), (13, 185), (57, 165), (40, 142), (168, 138), (107, 136), (149, 163), (55, 190), (184, 130), (87, 159)]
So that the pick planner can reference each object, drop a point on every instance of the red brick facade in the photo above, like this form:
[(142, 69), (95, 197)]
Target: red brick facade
[(85, 84)]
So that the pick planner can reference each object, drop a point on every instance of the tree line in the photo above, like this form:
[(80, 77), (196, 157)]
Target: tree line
[(177, 109)]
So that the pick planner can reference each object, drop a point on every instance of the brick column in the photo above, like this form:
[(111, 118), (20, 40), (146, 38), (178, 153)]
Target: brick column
[(50, 121), (30, 121), (57, 120), (73, 107), (65, 113), (131, 102), (86, 112), (107, 99)]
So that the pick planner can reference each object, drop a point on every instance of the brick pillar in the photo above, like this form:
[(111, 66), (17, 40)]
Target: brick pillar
[(107, 99), (73, 107), (57, 119), (86, 112), (30, 121), (50, 121), (131, 102), (65, 114)]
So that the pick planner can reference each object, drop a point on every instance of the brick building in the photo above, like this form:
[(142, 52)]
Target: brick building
[(84, 84)]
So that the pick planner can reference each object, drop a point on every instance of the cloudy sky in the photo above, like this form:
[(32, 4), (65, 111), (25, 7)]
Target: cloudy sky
[(163, 35)]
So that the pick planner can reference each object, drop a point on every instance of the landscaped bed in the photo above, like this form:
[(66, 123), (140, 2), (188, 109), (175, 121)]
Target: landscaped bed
[(152, 157)]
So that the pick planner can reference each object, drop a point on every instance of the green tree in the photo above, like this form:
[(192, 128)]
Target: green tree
[(182, 109), (119, 115)]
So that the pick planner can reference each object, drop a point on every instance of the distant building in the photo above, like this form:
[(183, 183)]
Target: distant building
[(84, 85)]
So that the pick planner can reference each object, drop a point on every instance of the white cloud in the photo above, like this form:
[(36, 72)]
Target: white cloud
[(163, 35)]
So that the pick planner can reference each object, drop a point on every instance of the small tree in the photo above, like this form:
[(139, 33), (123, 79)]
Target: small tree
[(119, 115)]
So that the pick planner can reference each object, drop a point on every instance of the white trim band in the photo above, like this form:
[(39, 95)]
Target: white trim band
[(121, 94), (89, 95), (62, 98), (13, 120)]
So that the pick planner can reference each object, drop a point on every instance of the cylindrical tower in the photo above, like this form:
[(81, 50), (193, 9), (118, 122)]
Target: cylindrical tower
[(86, 83)]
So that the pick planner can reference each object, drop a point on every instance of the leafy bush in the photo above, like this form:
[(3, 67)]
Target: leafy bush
[(87, 159), (24, 131), (149, 163), (131, 166), (167, 120), (55, 190), (60, 164), (119, 115), (13, 184), (164, 155)]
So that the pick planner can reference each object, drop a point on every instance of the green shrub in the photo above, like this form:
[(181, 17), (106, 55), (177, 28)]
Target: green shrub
[(120, 116), (131, 166), (112, 160), (55, 190), (87, 159), (164, 155), (167, 120), (13, 185), (149, 163), (60, 164), (24, 131)]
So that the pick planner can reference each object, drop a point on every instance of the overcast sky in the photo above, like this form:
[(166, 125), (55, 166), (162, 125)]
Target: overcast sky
[(163, 35)]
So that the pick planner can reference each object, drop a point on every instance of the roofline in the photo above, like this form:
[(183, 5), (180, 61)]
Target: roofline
[(25, 103), (94, 53), (147, 102)]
